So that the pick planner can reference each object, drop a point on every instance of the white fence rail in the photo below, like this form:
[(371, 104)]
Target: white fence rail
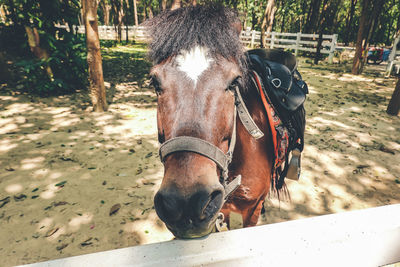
[(369, 237), (137, 33), (295, 41)]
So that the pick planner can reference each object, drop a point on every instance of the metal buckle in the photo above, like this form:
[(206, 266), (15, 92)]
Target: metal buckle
[(277, 81), (220, 225)]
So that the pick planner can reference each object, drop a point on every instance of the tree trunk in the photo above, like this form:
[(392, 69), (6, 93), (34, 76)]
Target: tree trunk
[(150, 10), (321, 30), (176, 4), (373, 17), (398, 24), (356, 69), (162, 5), (34, 44), (319, 46), (394, 103), (97, 88), (106, 11), (125, 19), (118, 14), (312, 17), (135, 12), (2, 13), (349, 22), (120, 20), (268, 21)]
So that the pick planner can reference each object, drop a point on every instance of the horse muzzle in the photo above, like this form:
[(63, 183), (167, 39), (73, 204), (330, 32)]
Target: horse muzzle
[(189, 216)]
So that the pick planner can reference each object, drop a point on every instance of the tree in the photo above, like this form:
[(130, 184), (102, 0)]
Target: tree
[(371, 10), (117, 8), (176, 4), (135, 13), (39, 52), (268, 20), (394, 103), (312, 17), (349, 22), (105, 7), (97, 88), (361, 38), (329, 10)]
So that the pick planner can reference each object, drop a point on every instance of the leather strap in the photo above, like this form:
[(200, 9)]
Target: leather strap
[(197, 145), (245, 116)]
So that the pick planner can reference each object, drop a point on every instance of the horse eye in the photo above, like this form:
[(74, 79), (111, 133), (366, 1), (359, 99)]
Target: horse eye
[(232, 86), (156, 84)]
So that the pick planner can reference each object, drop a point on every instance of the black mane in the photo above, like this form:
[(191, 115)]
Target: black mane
[(211, 26)]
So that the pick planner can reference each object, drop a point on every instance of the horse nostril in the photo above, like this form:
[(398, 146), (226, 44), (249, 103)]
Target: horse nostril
[(168, 207)]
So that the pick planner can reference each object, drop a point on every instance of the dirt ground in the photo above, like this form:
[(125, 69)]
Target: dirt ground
[(75, 182)]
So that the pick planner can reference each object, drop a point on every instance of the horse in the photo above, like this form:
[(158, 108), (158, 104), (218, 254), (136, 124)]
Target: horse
[(212, 164)]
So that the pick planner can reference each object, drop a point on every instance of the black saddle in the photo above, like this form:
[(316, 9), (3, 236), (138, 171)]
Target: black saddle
[(283, 83), (287, 91)]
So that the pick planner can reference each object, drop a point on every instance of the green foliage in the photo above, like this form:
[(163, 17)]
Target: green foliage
[(66, 51), (67, 61)]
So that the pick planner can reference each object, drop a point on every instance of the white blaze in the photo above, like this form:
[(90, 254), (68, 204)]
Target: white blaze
[(194, 62)]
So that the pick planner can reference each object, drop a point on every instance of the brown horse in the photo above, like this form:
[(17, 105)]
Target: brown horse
[(199, 70)]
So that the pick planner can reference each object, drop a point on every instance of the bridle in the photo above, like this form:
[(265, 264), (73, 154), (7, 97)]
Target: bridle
[(209, 150)]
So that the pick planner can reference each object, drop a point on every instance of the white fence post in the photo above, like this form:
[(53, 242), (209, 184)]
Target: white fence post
[(272, 40), (392, 56), (332, 49), (298, 37), (253, 36)]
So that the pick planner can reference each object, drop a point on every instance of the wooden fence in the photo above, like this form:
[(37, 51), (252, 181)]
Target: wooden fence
[(295, 41), (137, 33)]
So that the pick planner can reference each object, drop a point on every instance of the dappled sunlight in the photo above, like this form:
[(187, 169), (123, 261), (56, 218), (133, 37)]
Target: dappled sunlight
[(13, 188), (50, 191), (31, 163), (17, 108), (352, 78), (8, 127), (44, 224), (151, 230), (6, 145), (77, 221)]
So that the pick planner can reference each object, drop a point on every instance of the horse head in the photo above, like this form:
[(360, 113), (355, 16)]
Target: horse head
[(198, 64)]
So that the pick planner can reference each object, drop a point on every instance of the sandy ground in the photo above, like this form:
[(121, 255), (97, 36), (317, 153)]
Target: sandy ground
[(75, 182)]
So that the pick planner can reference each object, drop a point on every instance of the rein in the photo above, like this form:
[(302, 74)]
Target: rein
[(209, 150)]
